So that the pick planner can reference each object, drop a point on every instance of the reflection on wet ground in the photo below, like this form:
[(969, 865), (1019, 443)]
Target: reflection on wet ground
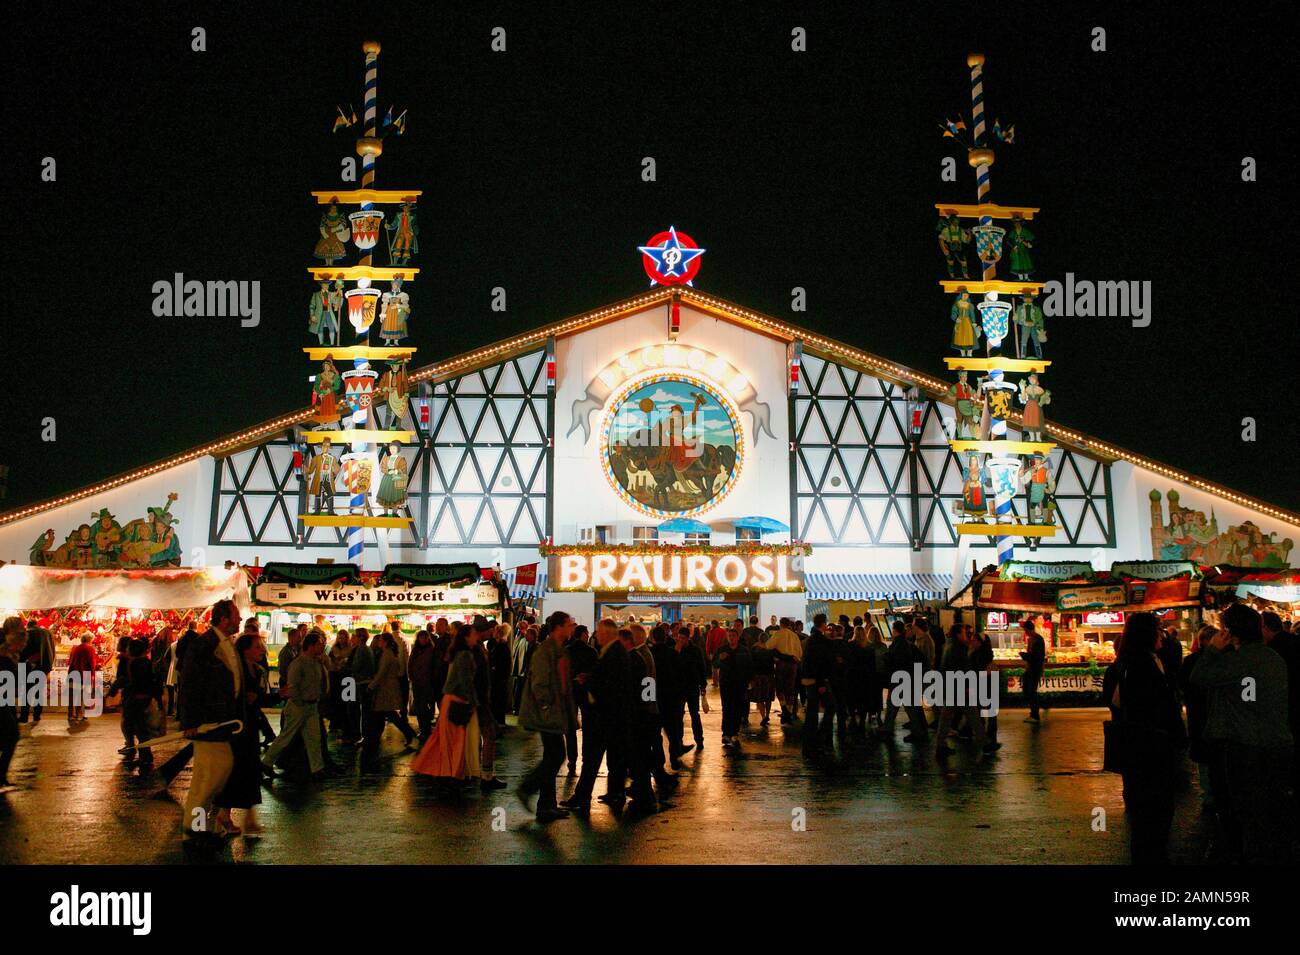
[(1039, 800)]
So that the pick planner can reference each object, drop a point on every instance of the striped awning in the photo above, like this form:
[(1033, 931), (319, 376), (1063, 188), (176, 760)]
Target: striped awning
[(526, 591), (877, 586)]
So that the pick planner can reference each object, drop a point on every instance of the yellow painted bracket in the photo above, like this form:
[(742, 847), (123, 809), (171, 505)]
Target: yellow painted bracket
[(1010, 447), (990, 209), (988, 364), (1008, 530), (358, 196), (977, 287), (350, 273), (352, 520), (383, 353), (362, 436)]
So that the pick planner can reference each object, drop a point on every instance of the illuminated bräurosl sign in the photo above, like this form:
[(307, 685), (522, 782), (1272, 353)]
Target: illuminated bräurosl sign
[(669, 570)]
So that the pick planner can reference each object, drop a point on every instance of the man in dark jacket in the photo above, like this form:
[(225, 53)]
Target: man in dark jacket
[(901, 658), (357, 675), (582, 659), (605, 720), (673, 690), (1034, 655), (1248, 721), (817, 662), (209, 692), (38, 655), (645, 759), (694, 674), (733, 667), (1287, 645)]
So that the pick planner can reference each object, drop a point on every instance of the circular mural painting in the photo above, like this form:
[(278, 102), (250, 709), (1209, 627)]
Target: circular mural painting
[(672, 445)]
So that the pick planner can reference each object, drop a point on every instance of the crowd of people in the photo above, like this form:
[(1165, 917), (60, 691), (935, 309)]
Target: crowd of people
[(629, 698), (1238, 685)]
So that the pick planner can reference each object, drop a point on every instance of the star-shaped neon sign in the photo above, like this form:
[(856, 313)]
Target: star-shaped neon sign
[(671, 258)]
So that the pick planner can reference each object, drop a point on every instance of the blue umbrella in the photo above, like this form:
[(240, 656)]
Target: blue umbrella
[(684, 525), (764, 525)]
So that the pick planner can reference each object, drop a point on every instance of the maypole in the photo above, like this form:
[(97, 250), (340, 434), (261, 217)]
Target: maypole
[(983, 412), (362, 385), (368, 148)]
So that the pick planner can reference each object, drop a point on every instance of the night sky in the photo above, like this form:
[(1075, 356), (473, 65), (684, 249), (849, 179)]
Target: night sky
[(816, 169)]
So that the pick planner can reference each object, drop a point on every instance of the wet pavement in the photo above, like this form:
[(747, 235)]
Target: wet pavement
[(1039, 800)]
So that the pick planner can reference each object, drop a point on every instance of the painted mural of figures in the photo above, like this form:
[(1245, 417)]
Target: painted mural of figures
[(334, 236), (1036, 475), (403, 235), (392, 486), (326, 392), (967, 401), (974, 500), (1029, 317), (41, 549), (965, 330), (1033, 396), (84, 547), (1021, 240), (391, 391), (106, 540), (167, 548), (395, 307), (953, 240), (321, 474), (324, 311)]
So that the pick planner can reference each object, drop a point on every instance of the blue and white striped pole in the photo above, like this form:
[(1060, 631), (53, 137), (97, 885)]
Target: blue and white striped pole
[(361, 416), (998, 426)]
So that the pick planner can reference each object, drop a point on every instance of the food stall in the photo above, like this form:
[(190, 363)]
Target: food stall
[(110, 604), (333, 596), (1079, 612), (1264, 589)]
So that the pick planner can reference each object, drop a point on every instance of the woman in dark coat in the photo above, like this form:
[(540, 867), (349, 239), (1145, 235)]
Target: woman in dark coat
[(1153, 736), (419, 668), (243, 789)]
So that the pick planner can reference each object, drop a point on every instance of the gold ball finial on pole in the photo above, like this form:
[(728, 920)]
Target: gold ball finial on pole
[(977, 157), (974, 59), (371, 46), (369, 146)]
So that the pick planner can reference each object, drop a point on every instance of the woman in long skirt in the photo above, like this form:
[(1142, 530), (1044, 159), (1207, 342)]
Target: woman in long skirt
[(451, 753), (243, 790)]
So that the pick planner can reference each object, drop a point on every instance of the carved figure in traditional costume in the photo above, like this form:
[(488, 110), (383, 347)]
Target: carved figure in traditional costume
[(1033, 396), (321, 474), (1033, 331), (974, 500), (1037, 477), (965, 330), (395, 307), (326, 392), (967, 400), (323, 313), (953, 240), (1021, 240), (392, 486), (403, 235), (335, 233), (392, 390)]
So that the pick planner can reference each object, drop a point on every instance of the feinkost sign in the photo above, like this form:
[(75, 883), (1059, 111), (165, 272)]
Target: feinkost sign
[(676, 573)]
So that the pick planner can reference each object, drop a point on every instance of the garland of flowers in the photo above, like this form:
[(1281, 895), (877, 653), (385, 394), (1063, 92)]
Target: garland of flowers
[(743, 549)]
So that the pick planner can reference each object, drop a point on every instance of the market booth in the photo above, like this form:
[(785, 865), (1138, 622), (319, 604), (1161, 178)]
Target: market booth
[(1079, 612), (334, 596), (111, 604), (1262, 588)]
